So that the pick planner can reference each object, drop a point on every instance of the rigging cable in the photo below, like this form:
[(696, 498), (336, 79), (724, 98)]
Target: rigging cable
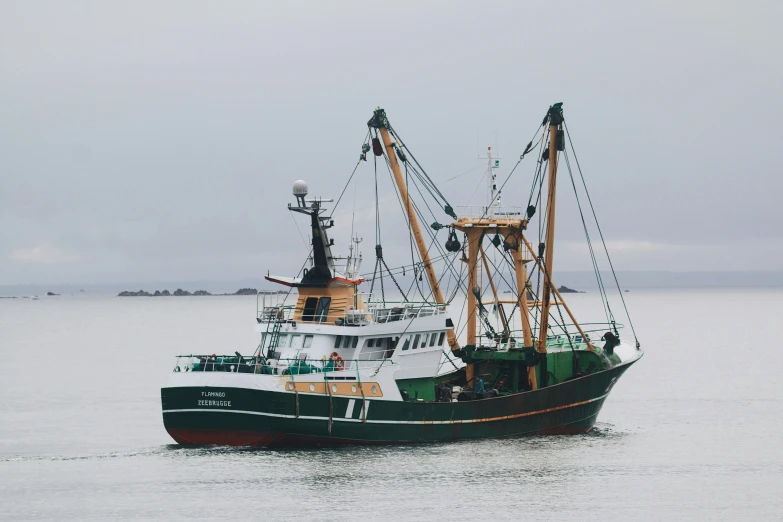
[(432, 234), (562, 325), (300, 231), (544, 230), (378, 248), (601, 289), (614, 274), (404, 297), (410, 234), (400, 269), (361, 158), (353, 216), (460, 175), (428, 179), (521, 157)]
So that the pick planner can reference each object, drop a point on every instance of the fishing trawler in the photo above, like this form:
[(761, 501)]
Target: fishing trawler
[(336, 365)]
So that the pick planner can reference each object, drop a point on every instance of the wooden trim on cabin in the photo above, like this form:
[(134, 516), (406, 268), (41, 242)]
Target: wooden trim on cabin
[(352, 389)]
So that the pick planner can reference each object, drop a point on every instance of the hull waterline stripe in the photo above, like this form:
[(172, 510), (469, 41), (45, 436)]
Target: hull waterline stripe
[(467, 421)]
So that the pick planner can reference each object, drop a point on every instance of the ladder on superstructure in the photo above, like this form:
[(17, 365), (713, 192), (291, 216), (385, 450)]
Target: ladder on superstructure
[(275, 337)]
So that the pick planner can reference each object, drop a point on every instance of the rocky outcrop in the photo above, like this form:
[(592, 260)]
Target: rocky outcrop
[(140, 293), (181, 292), (565, 290)]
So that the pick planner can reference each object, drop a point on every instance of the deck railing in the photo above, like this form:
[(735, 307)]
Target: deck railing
[(502, 213), (374, 313), (272, 366), (593, 331)]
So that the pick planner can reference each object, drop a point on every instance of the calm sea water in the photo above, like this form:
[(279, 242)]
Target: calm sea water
[(692, 432)]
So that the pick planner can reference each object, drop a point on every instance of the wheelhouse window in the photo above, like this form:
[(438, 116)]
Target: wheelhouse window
[(346, 341), (337, 341), (440, 339), (433, 337), (416, 341), (308, 341), (323, 309), (391, 344), (354, 342), (311, 303), (406, 344), (296, 341), (378, 348)]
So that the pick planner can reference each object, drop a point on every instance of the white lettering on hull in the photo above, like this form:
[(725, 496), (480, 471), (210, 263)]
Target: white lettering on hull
[(213, 403)]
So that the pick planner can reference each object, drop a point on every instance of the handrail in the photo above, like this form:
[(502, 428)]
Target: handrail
[(570, 328), (266, 366), (557, 339), (374, 312), (500, 212)]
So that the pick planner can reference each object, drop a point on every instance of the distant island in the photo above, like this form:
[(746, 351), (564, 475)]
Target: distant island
[(51, 293), (565, 290), (181, 292)]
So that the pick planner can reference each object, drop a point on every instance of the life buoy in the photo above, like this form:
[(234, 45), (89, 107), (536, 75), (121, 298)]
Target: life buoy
[(339, 364)]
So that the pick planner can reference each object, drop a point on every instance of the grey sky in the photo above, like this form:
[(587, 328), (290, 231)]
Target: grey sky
[(159, 140)]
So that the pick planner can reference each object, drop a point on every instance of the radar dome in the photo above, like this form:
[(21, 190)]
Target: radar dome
[(300, 188)]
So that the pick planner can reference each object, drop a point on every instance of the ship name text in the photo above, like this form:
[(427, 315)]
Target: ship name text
[(208, 402)]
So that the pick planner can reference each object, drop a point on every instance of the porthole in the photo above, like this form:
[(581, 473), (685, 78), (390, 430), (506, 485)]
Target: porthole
[(312, 387), (334, 388), (353, 388), (374, 390), (290, 386)]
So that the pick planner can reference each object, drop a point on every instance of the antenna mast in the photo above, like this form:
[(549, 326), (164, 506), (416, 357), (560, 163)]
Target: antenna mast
[(493, 195)]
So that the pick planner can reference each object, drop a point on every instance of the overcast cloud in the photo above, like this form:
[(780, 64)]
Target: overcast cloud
[(146, 141)]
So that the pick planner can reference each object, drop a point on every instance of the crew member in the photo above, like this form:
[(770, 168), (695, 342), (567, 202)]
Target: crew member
[(480, 388)]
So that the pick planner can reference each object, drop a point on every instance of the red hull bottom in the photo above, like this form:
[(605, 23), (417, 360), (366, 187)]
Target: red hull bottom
[(191, 437), (261, 439), (258, 439)]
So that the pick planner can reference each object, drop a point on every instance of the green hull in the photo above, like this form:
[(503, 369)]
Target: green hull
[(265, 418)]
